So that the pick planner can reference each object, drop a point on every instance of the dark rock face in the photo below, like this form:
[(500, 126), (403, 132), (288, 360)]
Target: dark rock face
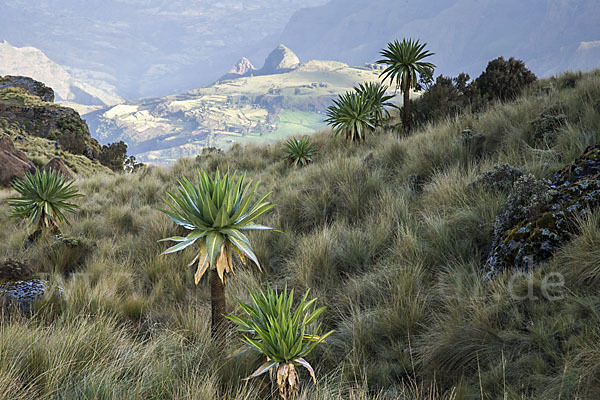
[(12, 270), (58, 166), (32, 86), (13, 162), (501, 179), (49, 122), (547, 219)]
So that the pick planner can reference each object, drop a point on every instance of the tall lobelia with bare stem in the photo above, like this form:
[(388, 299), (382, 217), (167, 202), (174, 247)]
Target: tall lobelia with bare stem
[(404, 66), (217, 212)]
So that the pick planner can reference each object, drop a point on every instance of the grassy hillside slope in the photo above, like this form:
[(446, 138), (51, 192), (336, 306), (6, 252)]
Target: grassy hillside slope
[(399, 270)]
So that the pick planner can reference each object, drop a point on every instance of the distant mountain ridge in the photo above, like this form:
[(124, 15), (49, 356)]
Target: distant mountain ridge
[(283, 98), (32, 62), (549, 35), (146, 48), (279, 61)]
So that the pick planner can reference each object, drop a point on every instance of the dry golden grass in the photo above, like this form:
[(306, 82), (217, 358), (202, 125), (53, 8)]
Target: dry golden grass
[(399, 271)]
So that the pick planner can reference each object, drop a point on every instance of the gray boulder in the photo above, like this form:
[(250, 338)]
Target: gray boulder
[(22, 294), (13, 162)]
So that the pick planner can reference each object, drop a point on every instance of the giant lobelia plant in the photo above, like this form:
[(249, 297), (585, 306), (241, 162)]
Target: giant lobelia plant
[(352, 114), (405, 64), (218, 212), (45, 199), (376, 94), (282, 334)]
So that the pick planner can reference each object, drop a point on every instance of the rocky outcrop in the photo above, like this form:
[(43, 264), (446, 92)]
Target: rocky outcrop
[(279, 61), (7, 145), (12, 270), (241, 69), (58, 166), (22, 294), (501, 179), (47, 120), (547, 214), (33, 87), (18, 288), (13, 162)]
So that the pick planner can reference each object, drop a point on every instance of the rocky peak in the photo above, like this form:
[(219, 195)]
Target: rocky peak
[(243, 67), (280, 60)]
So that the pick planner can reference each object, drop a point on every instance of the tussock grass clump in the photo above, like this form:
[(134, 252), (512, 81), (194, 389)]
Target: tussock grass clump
[(399, 270)]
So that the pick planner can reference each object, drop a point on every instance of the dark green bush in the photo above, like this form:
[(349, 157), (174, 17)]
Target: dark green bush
[(504, 80), (114, 155), (73, 135), (72, 142), (546, 126), (446, 96)]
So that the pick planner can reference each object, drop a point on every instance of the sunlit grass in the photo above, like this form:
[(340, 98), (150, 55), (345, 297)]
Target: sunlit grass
[(399, 270)]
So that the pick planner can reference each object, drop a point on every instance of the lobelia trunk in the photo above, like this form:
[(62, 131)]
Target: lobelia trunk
[(406, 116), (217, 303)]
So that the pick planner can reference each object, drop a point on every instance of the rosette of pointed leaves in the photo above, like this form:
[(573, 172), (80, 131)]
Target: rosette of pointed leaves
[(217, 212), (376, 95), (405, 63), (352, 115), (44, 199), (299, 151), (404, 66), (282, 334)]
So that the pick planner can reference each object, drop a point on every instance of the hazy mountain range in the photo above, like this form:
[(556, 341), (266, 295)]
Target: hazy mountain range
[(465, 34), (284, 97), (32, 62), (145, 47), (148, 48)]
